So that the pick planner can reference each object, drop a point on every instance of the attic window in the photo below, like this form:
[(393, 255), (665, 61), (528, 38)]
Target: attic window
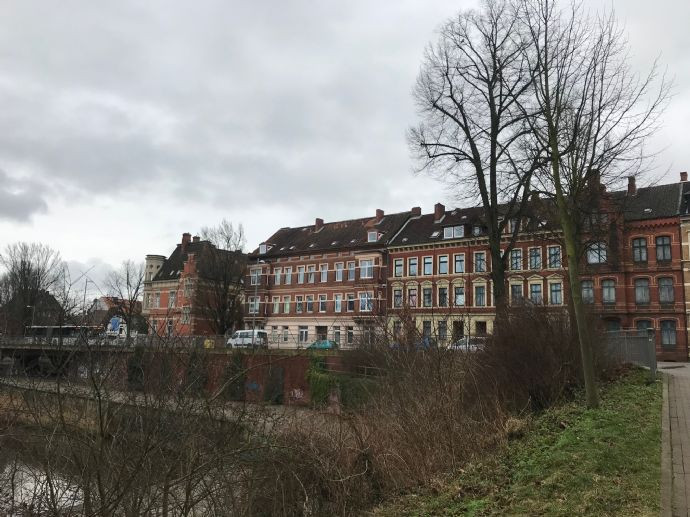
[(404, 239), (334, 243), (311, 245), (476, 230), (292, 247), (372, 236), (435, 234), (464, 217), (457, 232), (262, 249), (353, 241), (281, 249), (647, 210)]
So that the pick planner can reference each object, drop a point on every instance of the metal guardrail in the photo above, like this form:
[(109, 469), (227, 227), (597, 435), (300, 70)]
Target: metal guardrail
[(95, 342), (632, 347)]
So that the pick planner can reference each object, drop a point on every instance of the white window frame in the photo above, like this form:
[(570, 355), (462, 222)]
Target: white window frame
[(366, 271), (447, 264), (323, 271), (368, 298), (455, 258), (288, 275), (276, 304), (339, 268), (529, 258), (372, 236), (513, 252), (410, 260), (338, 302), (323, 303), (562, 294), (277, 272), (398, 262), (474, 294), (351, 271), (424, 264), (286, 305), (474, 268), (548, 257)]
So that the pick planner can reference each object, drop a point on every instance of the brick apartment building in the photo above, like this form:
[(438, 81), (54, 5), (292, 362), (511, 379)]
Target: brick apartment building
[(179, 289), (334, 280), (323, 281)]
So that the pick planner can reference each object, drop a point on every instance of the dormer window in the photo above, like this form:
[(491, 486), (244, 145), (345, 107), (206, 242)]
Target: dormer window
[(454, 232), (262, 249), (476, 230), (372, 236)]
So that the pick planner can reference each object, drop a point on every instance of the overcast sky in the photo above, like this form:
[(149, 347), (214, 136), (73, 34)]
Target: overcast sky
[(124, 124)]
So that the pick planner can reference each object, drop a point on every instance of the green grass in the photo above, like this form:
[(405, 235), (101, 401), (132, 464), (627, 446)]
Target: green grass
[(571, 461)]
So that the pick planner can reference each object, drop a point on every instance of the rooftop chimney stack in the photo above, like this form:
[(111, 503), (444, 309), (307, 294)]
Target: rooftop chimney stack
[(416, 211), (318, 224), (186, 239), (439, 211), (379, 215), (632, 188), (684, 176), (196, 238)]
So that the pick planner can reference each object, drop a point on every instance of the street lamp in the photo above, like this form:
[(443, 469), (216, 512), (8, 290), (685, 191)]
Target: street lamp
[(256, 307)]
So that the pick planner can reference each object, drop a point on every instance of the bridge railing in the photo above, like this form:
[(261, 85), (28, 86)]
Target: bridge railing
[(100, 341)]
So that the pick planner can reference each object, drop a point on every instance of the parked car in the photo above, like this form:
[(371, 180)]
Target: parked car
[(469, 344), (248, 338), (323, 344)]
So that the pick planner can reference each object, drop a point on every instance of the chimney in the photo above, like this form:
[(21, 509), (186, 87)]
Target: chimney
[(379, 215), (416, 211), (318, 224), (439, 211), (684, 176), (196, 238), (632, 188), (186, 239)]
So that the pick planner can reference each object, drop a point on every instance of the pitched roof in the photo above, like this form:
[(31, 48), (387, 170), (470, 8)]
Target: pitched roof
[(658, 201), (334, 236), (172, 267)]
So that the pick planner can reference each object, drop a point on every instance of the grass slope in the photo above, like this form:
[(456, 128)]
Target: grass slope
[(571, 461)]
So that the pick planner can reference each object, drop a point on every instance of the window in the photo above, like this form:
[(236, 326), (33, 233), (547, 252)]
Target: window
[(459, 295), (443, 265), (460, 263), (372, 236), (516, 259), (535, 295), (639, 247), (426, 296), (666, 294), (426, 329), (322, 303), (556, 293), (299, 304), (338, 302), (303, 333), (428, 266), (339, 272), (323, 268), (154, 328), (310, 303), (535, 258), (366, 268), (336, 334), (480, 262), (412, 266), (587, 291), (480, 328), (442, 330), (454, 232), (172, 299), (641, 290), (476, 230), (397, 328), (169, 328), (274, 334), (608, 291), (350, 270), (300, 274), (612, 325), (512, 225), (157, 300), (253, 305), (479, 296), (276, 275), (668, 333), (515, 294), (311, 274), (286, 305), (350, 335), (366, 302), (286, 334), (644, 327), (663, 249), (398, 267), (188, 287), (397, 298), (554, 257), (443, 297), (256, 276), (288, 275), (412, 297), (276, 305), (350, 302), (187, 314), (596, 253)]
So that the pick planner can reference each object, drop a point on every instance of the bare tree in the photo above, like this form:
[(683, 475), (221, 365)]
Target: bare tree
[(590, 117), (472, 131), (34, 272), (223, 264), (126, 286)]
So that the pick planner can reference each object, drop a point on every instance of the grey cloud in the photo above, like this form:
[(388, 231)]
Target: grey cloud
[(20, 199)]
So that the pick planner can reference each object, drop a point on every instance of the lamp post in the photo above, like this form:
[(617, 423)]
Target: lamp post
[(255, 309)]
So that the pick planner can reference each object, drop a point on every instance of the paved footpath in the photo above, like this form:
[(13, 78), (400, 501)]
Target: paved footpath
[(675, 452)]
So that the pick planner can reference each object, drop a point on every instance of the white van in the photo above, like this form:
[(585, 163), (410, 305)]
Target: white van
[(247, 338)]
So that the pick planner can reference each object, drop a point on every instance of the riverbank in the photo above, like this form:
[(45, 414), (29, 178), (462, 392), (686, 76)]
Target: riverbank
[(566, 461)]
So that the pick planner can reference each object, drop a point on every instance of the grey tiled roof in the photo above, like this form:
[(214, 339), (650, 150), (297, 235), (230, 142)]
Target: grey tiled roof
[(653, 202), (174, 264)]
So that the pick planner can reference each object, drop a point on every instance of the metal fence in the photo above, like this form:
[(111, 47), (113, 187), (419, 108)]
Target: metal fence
[(632, 347), (138, 340)]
